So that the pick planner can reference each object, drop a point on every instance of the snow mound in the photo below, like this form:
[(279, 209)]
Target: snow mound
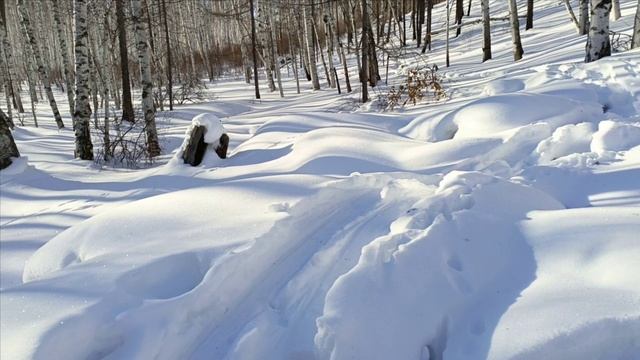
[(503, 86), (565, 140), (492, 115), (615, 136), (215, 129)]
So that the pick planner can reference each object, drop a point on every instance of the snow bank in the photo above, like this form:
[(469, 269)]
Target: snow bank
[(565, 140), (615, 136)]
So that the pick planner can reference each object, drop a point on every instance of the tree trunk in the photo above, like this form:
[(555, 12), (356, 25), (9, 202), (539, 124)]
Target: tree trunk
[(274, 52), (364, 44), (311, 46), (448, 15), (127, 104), (529, 15), (254, 50), (12, 87), (8, 148), (574, 20), (515, 31), (66, 63), (459, 15), (583, 24), (635, 41), (153, 146), (598, 43), (615, 14), (486, 31), (169, 58), (82, 114), (42, 70)]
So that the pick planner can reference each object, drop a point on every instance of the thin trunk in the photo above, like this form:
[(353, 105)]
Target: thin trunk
[(82, 114), (66, 63), (311, 47), (42, 70), (127, 103), (572, 16), (486, 31), (364, 49), (459, 15), (515, 31), (153, 146), (254, 50), (448, 14), (529, 24), (598, 43), (169, 57), (583, 24), (11, 80)]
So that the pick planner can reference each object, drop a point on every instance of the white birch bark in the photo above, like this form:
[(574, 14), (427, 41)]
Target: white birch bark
[(598, 43), (42, 70), (82, 114), (311, 46), (635, 41), (153, 146), (615, 14)]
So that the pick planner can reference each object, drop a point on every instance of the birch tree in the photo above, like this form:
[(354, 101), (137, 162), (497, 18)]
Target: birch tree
[(82, 114), (11, 77), (311, 47), (615, 14), (598, 42), (62, 41), (42, 70), (153, 146), (583, 23), (486, 31), (515, 31)]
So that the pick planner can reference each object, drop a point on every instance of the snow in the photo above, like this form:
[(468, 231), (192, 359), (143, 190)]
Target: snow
[(501, 223)]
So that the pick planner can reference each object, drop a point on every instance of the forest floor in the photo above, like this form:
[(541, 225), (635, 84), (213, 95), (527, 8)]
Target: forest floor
[(499, 223)]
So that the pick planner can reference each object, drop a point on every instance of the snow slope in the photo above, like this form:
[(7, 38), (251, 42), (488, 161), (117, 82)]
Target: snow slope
[(501, 223)]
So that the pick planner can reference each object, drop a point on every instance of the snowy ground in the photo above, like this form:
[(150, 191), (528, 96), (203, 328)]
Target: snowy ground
[(502, 223)]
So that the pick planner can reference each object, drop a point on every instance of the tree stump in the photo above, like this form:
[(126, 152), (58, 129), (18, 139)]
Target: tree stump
[(196, 148), (8, 148)]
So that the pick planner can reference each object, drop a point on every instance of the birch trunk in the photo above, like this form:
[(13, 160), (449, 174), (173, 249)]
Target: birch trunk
[(274, 52), (66, 64), (615, 14), (82, 114), (515, 31), (311, 46), (529, 24), (583, 23), (598, 43), (42, 70), (486, 31), (12, 87), (635, 41), (153, 146)]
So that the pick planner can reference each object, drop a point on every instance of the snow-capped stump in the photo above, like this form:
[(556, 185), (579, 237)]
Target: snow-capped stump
[(205, 130)]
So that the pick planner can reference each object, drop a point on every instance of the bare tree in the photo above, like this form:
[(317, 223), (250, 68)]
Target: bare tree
[(127, 104), (583, 23), (153, 146), (486, 31), (529, 24), (66, 63), (43, 71), (515, 31), (311, 47), (82, 114), (598, 43)]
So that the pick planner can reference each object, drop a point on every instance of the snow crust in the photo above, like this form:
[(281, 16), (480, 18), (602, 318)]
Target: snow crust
[(500, 224)]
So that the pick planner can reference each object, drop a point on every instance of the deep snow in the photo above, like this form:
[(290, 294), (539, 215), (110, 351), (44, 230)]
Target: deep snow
[(501, 223)]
